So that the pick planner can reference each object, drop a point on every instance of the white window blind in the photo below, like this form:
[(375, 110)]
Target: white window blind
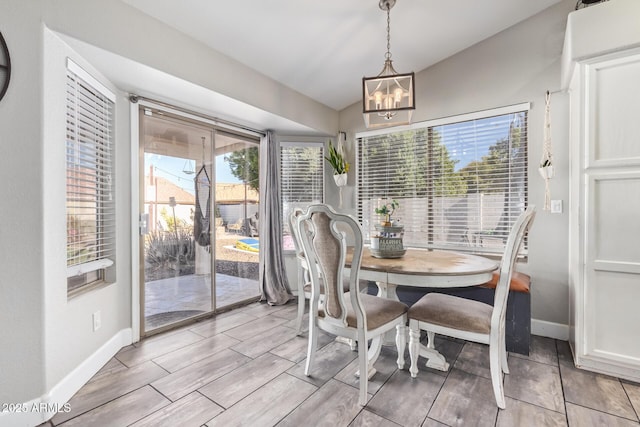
[(90, 196), (460, 184), (302, 180)]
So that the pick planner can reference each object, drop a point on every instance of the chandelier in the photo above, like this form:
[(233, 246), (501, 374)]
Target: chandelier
[(388, 98)]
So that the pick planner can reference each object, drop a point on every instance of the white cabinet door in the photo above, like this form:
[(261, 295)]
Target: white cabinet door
[(610, 339)]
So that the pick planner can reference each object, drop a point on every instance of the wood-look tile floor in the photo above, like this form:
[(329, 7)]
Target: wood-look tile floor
[(246, 368)]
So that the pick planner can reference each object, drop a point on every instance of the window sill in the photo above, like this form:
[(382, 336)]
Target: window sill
[(87, 288)]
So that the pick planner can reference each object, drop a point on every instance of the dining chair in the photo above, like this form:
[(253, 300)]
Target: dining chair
[(303, 278), (472, 320), (350, 314)]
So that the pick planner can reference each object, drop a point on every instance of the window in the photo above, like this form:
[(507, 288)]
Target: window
[(90, 196), (461, 182), (302, 180)]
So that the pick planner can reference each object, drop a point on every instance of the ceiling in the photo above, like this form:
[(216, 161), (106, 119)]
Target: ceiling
[(322, 49)]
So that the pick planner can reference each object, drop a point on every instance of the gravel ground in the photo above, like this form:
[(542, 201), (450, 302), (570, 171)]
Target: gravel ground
[(228, 261)]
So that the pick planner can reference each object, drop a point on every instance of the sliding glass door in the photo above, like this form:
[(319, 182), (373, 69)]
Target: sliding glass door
[(198, 211), (237, 219)]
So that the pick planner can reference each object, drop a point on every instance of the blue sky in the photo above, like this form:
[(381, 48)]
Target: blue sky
[(470, 141), (171, 168)]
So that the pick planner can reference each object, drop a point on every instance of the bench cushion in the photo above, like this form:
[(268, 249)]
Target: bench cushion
[(519, 282)]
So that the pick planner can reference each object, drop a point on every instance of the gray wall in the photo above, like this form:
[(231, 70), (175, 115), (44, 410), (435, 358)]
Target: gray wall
[(22, 253), (46, 338), (517, 65)]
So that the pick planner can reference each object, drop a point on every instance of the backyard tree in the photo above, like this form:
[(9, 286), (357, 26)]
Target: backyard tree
[(245, 165)]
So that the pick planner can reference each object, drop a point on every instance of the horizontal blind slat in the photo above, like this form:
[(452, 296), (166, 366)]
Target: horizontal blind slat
[(301, 178), (89, 148), (460, 185)]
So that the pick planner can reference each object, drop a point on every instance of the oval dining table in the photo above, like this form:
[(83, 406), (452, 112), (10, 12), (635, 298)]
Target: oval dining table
[(426, 269)]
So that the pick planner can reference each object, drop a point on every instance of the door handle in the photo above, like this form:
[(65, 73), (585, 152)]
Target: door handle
[(143, 225)]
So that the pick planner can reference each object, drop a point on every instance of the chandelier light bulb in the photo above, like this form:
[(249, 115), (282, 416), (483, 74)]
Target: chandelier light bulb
[(397, 94), (378, 99)]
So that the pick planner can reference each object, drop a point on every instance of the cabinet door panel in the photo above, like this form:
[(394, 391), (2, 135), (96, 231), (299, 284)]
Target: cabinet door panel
[(614, 220), (613, 113), (614, 316)]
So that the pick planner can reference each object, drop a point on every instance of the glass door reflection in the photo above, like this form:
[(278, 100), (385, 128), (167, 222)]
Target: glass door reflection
[(177, 197)]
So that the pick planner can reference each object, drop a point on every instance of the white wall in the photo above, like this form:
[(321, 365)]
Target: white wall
[(48, 345), (44, 336), (518, 65), (69, 335), (22, 253), (124, 31)]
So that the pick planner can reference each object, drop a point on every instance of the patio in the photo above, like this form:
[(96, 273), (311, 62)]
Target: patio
[(176, 298)]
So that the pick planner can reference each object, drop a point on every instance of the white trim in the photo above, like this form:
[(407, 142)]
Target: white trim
[(202, 119), (601, 363), (516, 108), (87, 267), (550, 329), (67, 387), (301, 144), (80, 72), (134, 128)]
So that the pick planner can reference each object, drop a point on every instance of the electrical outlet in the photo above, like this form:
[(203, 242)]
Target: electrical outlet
[(97, 321)]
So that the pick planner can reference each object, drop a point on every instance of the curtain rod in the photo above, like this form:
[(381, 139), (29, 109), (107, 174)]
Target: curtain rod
[(133, 98)]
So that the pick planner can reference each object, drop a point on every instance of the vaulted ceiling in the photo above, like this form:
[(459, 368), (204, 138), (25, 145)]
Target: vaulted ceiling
[(322, 49)]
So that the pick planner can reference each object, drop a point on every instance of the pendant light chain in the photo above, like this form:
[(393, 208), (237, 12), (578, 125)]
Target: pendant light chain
[(388, 54)]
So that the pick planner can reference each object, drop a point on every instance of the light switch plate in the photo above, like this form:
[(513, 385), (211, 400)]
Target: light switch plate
[(556, 206), (97, 321)]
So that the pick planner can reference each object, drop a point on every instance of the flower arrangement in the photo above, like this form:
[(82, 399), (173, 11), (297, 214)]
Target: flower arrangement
[(337, 161)]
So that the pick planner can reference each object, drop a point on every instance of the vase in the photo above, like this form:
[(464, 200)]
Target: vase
[(546, 172), (340, 179)]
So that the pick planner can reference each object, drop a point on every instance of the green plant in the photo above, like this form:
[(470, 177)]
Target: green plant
[(337, 161), (388, 208), (163, 249)]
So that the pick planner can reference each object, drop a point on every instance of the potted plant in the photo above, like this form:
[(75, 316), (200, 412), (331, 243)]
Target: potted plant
[(546, 169), (340, 165), (387, 210)]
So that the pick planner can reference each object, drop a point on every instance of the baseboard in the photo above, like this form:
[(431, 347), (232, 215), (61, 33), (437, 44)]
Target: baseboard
[(550, 329), (43, 408)]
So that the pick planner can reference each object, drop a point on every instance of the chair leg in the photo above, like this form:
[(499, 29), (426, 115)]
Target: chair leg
[(503, 354), (431, 339), (414, 346), (299, 319), (495, 355), (313, 344), (363, 363), (401, 343), (301, 299)]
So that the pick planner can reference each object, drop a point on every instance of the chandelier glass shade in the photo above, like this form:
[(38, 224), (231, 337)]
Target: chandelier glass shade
[(388, 99)]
